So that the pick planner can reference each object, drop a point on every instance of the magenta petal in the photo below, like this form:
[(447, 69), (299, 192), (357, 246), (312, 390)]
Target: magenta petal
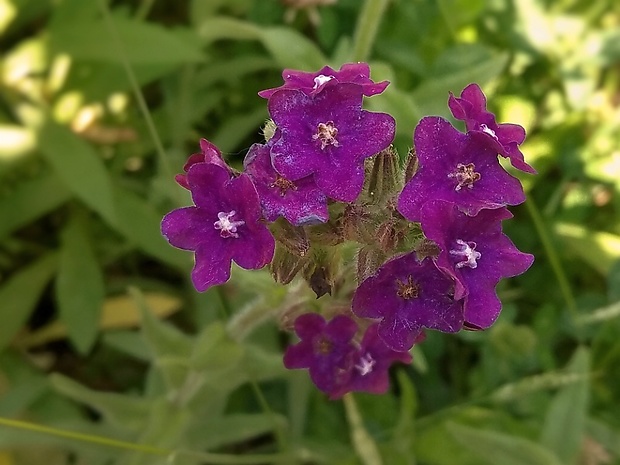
[(185, 228), (211, 267)]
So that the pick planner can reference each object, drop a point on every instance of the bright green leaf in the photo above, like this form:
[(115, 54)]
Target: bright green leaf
[(142, 42)]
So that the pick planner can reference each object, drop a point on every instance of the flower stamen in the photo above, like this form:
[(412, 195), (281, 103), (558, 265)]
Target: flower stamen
[(489, 131), (408, 290), (366, 364), (467, 252), (227, 227), (320, 80), (283, 184), (465, 176), (326, 134)]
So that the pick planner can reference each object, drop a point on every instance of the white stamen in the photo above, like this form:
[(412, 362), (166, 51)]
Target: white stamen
[(468, 252), (488, 130), (227, 227), (320, 80), (326, 134), (366, 364)]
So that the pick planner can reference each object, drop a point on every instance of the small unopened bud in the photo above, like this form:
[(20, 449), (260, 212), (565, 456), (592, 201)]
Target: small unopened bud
[(427, 248), (384, 178), (294, 238), (387, 236), (411, 164), (355, 223), (369, 260), (285, 265), (323, 267)]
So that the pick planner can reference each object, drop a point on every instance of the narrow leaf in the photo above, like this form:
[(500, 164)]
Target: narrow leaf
[(496, 448), (80, 167), (30, 200), (566, 417), (79, 286), (20, 294)]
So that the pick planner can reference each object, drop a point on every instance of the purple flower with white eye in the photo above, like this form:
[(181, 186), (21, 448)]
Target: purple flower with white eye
[(209, 154), (325, 348), (300, 202), (459, 168), (313, 83), (328, 136), (476, 253), (471, 107), (371, 364), (224, 225), (408, 295)]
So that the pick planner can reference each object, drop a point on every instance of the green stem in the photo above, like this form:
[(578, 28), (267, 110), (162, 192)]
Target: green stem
[(363, 443), (553, 257), (214, 459), (367, 27), (159, 147)]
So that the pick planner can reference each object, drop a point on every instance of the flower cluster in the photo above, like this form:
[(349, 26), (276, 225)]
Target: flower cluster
[(429, 240)]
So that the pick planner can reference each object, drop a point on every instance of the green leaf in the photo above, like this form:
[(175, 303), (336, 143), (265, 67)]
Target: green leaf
[(140, 223), (143, 43), (291, 49), (20, 294), (566, 417), (215, 351), (597, 248), (163, 339), (80, 288), (30, 200), (236, 428), (125, 412), (497, 448), (80, 167)]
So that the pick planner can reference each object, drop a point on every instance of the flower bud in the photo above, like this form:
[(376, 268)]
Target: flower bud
[(411, 164), (384, 178)]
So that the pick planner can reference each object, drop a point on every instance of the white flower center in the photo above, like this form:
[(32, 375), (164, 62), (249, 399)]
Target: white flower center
[(226, 226), (467, 252), (366, 364), (465, 176), (320, 80), (488, 130), (326, 134)]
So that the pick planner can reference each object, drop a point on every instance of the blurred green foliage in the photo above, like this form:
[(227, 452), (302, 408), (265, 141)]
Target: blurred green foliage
[(101, 103)]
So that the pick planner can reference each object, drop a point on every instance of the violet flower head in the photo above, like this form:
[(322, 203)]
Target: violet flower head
[(408, 296), (300, 202), (328, 136), (371, 364), (313, 83), (476, 253), (471, 107), (209, 154), (325, 348), (223, 225), (459, 168)]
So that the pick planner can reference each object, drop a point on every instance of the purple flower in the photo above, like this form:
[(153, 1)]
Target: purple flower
[(223, 225), (209, 154), (313, 83), (329, 136), (459, 168), (300, 202), (326, 349), (471, 107), (408, 295), (371, 364), (476, 252)]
